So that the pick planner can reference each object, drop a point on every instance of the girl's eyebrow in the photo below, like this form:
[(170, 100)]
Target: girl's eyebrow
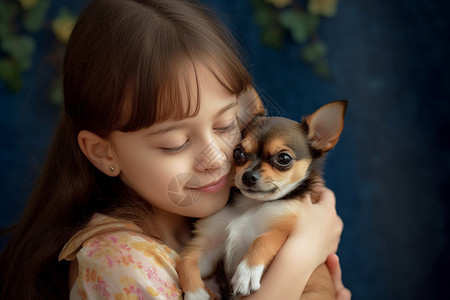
[(178, 125), (223, 110), (165, 129)]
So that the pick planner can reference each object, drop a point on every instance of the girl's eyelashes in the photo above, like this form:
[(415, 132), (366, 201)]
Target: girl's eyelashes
[(175, 149), (230, 126), (227, 128)]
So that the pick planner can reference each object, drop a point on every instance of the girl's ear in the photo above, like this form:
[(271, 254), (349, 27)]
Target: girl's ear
[(99, 152), (326, 124), (249, 105)]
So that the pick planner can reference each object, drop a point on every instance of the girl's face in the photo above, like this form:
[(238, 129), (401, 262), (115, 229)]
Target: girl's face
[(183, 166)]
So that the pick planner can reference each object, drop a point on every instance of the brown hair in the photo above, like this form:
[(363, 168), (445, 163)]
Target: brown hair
[(128, 56)]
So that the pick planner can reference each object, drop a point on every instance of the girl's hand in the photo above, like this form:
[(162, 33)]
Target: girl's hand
[(319, 225), (342, 293)]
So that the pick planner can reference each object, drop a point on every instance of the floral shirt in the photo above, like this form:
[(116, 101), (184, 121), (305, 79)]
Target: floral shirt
[(115, 261)]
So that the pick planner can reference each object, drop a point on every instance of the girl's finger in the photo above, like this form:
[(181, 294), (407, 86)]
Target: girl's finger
[(324, 195), (342, 293), (335, 270)]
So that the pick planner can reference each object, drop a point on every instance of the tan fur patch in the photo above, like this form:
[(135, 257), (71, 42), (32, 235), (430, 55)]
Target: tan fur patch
[(271, 177), (241, 169), (249, 143), (275, 146), (189, 273), (286, 219), (264, 248), (286, 223), (269, 173), (293, 175), (299, 170)]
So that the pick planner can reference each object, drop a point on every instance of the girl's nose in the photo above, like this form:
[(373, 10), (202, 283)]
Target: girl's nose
[(210, 158)]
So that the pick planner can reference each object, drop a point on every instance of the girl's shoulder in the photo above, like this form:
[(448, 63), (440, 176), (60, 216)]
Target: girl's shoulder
[(104, 231), (116, 259)]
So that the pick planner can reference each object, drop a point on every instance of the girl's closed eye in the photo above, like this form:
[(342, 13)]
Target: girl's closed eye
[(175, 149), (227, 126)]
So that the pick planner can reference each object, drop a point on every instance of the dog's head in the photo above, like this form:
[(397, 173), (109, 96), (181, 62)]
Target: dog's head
[(276, 154)]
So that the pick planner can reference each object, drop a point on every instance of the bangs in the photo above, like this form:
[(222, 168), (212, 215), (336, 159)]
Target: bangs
[(165, 83), (142, 67), (172, 91)]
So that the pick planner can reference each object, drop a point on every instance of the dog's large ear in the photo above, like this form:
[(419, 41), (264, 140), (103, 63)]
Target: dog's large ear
[(249, 106), (326, 124)]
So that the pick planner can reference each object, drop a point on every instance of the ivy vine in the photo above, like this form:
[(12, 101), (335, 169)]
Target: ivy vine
[(20, 22), (299, 20)]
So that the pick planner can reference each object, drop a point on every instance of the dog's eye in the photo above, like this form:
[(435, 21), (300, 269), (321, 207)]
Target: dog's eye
[(283, 160), (238, 154)]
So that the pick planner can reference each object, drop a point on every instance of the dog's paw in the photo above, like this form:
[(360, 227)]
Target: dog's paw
[(197, 295), (247, 279)]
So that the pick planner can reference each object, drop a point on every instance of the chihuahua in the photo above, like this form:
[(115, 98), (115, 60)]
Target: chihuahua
[(277, 162)]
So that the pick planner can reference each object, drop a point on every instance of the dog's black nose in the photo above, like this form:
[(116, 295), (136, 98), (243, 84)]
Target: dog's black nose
[(250, 177)]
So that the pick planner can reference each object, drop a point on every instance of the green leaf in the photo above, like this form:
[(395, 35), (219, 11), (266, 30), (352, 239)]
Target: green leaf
[(34, 19), (5, 29), (316, 54), (57, 93), (273, 37), (322, 69), (62, 25), (323, 8), (265, 16), (313, 52), (301, 24), (10, 74), (20, 48), (8, 12), (28, 4)]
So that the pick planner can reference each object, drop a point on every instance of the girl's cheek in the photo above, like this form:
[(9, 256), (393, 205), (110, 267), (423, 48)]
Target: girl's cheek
[(231, 144), (235, 137), (228, 141), (177, 163)]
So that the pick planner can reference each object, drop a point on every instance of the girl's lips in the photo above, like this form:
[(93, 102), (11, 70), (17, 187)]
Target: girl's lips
[(214, 186)]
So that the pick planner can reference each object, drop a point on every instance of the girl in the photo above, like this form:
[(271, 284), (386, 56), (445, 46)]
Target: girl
[(153, 93)]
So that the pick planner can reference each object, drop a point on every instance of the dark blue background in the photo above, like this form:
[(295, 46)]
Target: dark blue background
[(389, 171)]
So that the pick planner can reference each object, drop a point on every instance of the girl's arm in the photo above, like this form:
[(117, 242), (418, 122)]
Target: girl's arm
[(316, 236)]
